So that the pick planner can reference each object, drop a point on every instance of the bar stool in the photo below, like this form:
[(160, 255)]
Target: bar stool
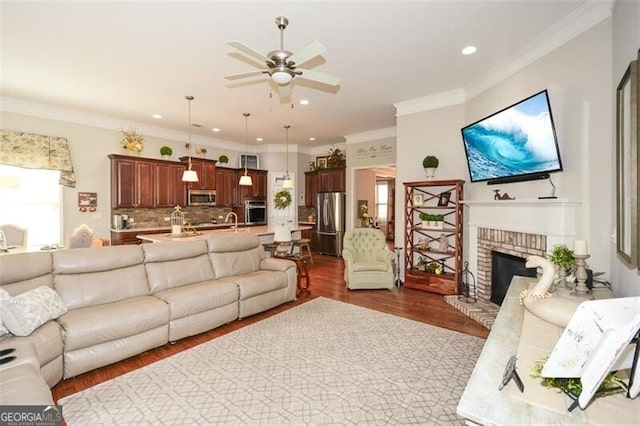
[(301, 244)]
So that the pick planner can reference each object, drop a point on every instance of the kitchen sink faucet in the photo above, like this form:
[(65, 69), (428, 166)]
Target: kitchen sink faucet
[(235, 216)]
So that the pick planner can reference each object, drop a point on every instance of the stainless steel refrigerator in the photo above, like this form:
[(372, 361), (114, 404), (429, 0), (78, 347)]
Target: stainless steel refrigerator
[(330, 222)]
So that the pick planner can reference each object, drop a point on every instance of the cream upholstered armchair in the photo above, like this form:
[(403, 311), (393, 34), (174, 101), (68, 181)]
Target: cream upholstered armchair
[(367, 261)]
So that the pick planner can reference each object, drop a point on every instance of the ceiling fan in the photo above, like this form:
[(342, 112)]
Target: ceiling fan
[(282, 65)]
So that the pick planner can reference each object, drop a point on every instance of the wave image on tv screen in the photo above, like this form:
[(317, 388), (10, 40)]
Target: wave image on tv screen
[(516, 141)]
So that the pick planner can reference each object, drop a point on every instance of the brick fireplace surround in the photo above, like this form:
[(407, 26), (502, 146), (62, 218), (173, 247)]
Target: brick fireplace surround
[(517, 228)]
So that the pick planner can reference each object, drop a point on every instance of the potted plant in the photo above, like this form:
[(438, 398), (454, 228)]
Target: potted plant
[(563, 258), (166, 151), (201, 151), (422, 264), (430, 163), (426, 219), (223, 159), (439, 220)]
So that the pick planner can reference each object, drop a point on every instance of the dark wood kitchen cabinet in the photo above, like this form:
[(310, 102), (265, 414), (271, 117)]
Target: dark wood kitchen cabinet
[(169, 188), (324, 180), (206, 170), (132, 181), (256, 191), (310, 188), (226, 187), (332, 180)]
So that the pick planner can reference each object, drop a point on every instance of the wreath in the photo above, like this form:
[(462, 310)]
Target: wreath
[(282, 199)]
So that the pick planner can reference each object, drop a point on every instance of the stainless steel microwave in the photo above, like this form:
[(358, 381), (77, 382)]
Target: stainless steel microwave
[(201, 197)]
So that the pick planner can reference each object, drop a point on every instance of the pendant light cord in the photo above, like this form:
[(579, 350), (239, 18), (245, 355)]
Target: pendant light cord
[(246, 141), (286, 127), (189, 98)]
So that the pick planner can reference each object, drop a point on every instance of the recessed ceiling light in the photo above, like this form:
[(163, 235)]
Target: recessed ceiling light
[(312, 138), (304, 102), (259, 139), (157, 116), (469, 50), (215, 129)]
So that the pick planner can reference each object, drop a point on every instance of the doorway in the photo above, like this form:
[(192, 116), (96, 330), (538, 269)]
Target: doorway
[(375, 187)]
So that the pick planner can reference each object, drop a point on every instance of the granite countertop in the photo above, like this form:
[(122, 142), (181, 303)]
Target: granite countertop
[(253, 230), (168, 227)]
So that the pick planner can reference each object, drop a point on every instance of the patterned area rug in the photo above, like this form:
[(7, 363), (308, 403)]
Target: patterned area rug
[(323, 362)]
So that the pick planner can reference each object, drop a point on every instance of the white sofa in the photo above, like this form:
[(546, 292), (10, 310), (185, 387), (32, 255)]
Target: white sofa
[(123, 300)]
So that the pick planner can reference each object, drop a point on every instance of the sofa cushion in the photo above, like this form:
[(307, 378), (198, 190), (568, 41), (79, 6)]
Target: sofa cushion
[(235, 254), (93, 276), (171, 265), (103, 323), (4, 296), (27, 311), (195, 298), (260, 282), (16, 278), (370, 265)]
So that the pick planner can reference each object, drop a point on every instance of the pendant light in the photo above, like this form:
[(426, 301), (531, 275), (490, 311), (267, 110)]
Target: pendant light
[(287, 183), (189, 175), (245, 180)]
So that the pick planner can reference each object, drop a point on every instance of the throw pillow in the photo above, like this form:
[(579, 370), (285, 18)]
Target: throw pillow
[(27, 311), (4, 296)]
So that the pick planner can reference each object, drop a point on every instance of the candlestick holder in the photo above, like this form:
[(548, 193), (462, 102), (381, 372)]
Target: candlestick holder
[(581, 277)]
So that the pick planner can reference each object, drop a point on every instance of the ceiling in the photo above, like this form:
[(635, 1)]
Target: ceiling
[(129, 60)]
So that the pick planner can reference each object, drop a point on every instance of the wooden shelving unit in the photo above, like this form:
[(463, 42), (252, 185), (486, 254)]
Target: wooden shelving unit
[(424, 243)]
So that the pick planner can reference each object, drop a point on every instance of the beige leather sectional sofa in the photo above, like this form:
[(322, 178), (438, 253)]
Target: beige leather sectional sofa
[(124, 300)]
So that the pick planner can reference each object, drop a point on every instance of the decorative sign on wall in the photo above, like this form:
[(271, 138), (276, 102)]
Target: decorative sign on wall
[(88, 201), (382, 150)]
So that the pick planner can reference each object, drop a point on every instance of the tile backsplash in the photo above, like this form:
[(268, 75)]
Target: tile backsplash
[(148, 218)]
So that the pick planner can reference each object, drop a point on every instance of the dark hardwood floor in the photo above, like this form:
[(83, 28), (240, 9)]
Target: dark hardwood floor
[(327, 281)]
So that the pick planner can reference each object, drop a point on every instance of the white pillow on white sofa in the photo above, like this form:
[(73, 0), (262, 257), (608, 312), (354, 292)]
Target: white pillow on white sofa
[(4, 295), (29, 310)]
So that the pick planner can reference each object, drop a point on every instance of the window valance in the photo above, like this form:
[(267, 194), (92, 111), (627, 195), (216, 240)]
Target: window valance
[(33, 151)]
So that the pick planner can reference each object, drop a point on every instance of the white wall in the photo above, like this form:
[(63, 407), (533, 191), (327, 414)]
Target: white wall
[(365, 189), (626, 42), (578, 77)]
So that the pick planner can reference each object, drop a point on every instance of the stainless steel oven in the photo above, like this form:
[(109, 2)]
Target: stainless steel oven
[(255, 212)]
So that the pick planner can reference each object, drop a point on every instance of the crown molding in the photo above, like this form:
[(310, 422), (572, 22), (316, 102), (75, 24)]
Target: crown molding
[(373, 135), (67, 115), (431, 102), (590, 14)]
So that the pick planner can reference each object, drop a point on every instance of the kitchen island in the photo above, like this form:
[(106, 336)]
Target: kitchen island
[(265, 233)]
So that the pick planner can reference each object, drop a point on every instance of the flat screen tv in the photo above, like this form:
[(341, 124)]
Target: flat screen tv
[(514, 144)]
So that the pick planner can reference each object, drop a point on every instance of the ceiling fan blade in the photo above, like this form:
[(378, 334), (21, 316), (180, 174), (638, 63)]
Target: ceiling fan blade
[(310, 51), (247, 50), (244, 75), (284, 90), (319, 77)]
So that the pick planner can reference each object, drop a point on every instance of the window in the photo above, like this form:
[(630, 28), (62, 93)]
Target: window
[(382, 201), (32, 199)]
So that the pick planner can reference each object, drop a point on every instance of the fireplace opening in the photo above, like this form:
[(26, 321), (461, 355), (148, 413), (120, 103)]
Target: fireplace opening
[(503, 267)]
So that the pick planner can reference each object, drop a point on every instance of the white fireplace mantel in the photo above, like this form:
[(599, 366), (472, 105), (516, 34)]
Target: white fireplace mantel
[(559, 219)]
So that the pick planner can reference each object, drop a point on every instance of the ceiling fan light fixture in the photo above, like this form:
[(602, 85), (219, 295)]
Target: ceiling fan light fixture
[(282, 77)]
